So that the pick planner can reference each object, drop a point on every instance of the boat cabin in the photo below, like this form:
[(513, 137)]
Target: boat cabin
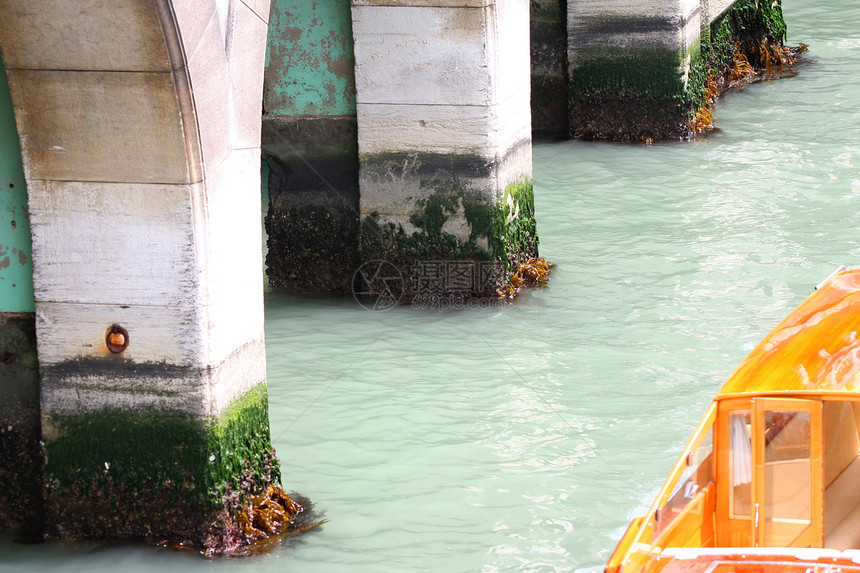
[(773, 466)]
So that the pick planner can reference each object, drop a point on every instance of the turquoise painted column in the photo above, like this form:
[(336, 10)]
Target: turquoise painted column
[(20, 463), (311, 144), (16, 265)]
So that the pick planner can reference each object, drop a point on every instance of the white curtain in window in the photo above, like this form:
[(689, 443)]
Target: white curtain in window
[(741, 451)]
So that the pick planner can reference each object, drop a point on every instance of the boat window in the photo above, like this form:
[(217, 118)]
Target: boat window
[(788, 476), (741, 462), (698, 473)]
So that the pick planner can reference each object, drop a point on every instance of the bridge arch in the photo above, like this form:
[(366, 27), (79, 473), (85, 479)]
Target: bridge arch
[(139, 124)]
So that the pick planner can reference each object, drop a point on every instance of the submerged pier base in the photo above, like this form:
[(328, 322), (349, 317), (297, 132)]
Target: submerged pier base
[(549, 83), (21, 508), (444, 140), (156, 474), (639, 70), (636, 68)]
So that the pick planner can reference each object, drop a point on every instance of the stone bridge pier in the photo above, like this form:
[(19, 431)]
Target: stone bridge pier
[(139, 125), (398, 130)]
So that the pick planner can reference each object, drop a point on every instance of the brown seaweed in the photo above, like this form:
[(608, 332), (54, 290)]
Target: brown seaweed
[(267, 519), (775, 61), (532, 273)]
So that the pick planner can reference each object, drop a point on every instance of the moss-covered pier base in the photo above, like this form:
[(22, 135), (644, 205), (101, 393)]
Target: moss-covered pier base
[(158, 475), (639, 70), (21, 458), (549, 83)]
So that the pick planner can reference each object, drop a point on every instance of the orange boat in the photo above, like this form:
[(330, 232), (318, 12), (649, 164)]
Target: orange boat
[(770, 480)]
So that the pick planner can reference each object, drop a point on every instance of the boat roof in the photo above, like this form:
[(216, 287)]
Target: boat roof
[(814, 350)]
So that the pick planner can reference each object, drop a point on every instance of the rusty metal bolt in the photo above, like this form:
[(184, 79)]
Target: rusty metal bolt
[(116, 339)]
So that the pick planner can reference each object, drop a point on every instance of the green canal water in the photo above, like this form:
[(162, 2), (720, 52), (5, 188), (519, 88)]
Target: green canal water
[(525, 437)]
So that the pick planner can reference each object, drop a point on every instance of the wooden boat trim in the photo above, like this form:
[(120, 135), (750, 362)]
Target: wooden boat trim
[(802, 553)]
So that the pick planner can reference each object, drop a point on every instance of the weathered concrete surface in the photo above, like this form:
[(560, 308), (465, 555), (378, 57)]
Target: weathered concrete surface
[(549, 87), (140, 134), (636, 69), (310, 141), (444, 130), (21, 458)]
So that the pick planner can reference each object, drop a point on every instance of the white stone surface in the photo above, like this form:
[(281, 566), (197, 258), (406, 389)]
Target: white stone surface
[(157, 370), (626, 7), (692, 22), (97, 35), (114, 243), (157, 334), (210, 86), (717, 8), (234, 265), (426, 128), (99, 126), (512, 124), (515, 163), (259, 7), (246, 55), (242, 370), (417, 55), (510, 53), (192, 18), (447, 78), (669, 24)]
